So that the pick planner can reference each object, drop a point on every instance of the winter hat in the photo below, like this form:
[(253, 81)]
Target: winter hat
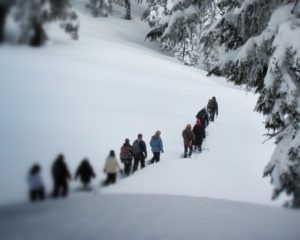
[(127, 140), (189, 126), (140, 135)]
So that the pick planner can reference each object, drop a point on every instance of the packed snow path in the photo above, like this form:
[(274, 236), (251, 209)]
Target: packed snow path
[(84, 98)]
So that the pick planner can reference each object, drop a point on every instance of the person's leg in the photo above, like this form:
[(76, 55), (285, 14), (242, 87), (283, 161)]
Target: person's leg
[(185, 151), (55, 192), (190, 150), (41, 194), (135, 163), (65, 189), (157, 156), (153, 158), (142, 160), (32, 195), (113, 178)]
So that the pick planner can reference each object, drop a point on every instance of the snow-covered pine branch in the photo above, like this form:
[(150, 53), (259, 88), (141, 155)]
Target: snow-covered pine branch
[(259, 46)]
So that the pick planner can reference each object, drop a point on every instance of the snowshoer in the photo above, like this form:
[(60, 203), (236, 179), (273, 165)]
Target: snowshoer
[(203, 116), (199, 132), (61, 175), (111, 168), (212, 108), (126, 154), (156, 146), (188, 137), (139, 152), (85, 171), (36, 185)]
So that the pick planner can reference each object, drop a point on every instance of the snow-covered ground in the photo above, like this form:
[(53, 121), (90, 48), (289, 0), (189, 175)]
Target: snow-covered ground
[(84, 98), (136, 217)]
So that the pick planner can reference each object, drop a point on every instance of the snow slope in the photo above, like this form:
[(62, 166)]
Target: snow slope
[(146, 217), (84, 98)]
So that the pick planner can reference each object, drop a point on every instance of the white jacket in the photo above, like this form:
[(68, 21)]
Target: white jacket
[(111, 165)]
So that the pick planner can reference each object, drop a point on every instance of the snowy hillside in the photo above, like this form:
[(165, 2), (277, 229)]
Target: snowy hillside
[(83, 98), (146, 217)]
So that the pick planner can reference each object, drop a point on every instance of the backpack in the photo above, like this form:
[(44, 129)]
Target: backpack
[(203, 116), (136, 148), (125, 152)]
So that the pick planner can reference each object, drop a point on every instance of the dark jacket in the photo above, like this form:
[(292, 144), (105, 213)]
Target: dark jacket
[(139, 146), (212, 106), (60, 171), (203, 116), (199, 132), (85, 171)]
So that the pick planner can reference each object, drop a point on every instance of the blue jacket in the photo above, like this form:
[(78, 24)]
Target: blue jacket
[(156, 144)]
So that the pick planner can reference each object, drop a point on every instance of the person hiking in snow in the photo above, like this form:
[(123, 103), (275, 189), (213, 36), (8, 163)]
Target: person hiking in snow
[(126, 154), (61, 175), (85, 171), (199, 132), (111, 168), (139, 152), (212, 108), (156, 146), (36, 185), (188, 138), (203, 116)]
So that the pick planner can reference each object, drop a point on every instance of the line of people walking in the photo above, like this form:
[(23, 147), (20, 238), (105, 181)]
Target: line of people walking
[(132, 156), (137, 152), (193, 137)]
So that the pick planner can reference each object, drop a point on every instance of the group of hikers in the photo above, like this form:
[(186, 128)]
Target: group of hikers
[(130, 155), (193, 137)]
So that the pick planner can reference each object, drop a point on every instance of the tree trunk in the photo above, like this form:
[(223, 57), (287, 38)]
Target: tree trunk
[(2, 21), (127, 10)]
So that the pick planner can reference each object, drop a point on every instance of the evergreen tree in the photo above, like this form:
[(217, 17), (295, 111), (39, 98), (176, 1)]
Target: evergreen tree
[(32, 15), (100, 7), (258, 42), (127, 10), (178, 26)]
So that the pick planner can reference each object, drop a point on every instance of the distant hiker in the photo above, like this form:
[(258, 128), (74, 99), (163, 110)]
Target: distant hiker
[(199, 132), (212, 108), (36, 186), (203, 116), (61, 175), (139, 152), (188, 138), (111, 168), (156, 146), (126, 154), (85, 171)]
